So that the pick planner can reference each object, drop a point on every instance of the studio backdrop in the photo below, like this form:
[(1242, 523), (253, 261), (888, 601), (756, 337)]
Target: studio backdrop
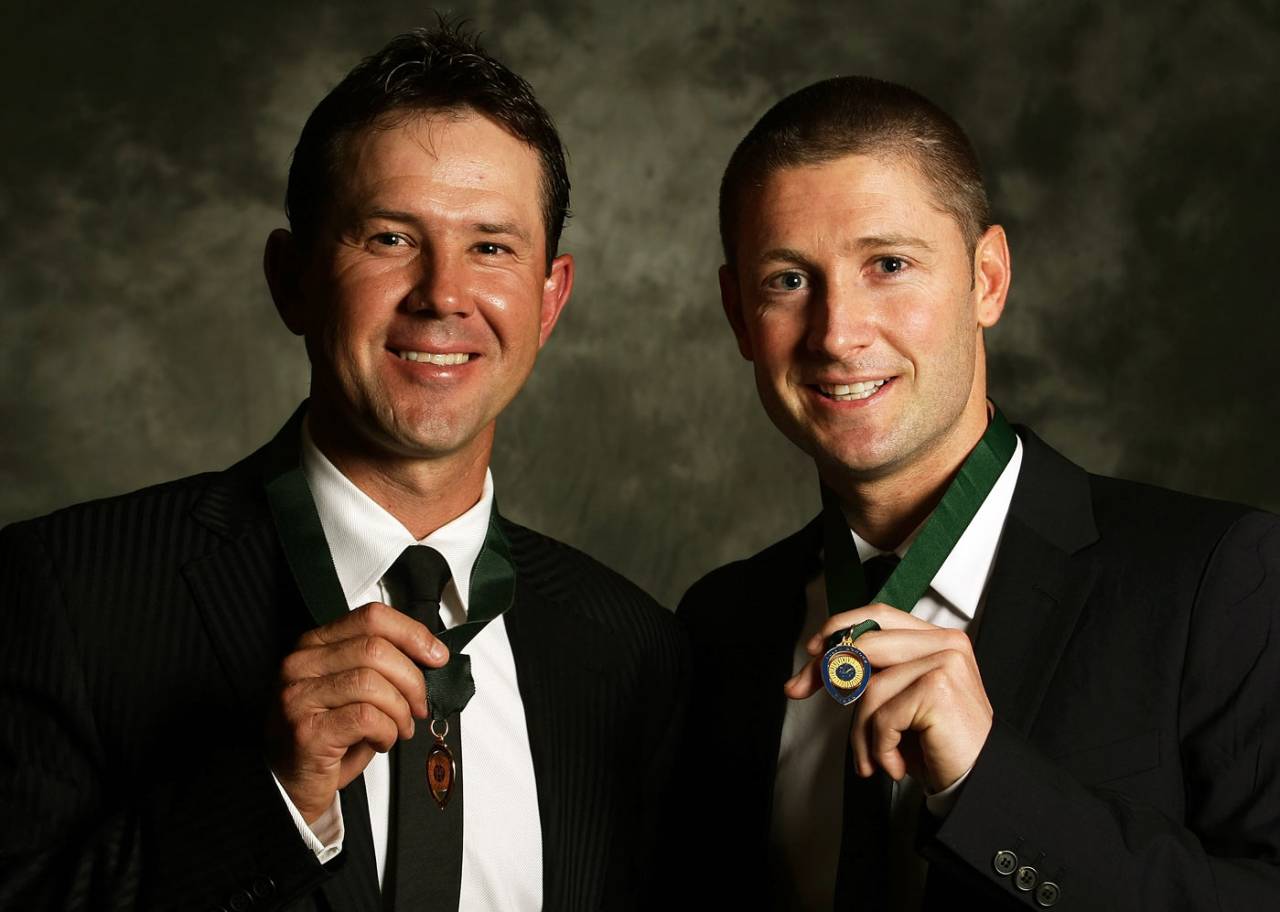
[(1130, 151)]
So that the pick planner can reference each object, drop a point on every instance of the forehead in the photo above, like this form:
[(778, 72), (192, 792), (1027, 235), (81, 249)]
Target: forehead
[(847, 197), (439, 159)]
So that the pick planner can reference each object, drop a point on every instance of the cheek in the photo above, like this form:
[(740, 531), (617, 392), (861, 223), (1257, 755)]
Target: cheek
[(776, 336), (927, 326), (513, 310)]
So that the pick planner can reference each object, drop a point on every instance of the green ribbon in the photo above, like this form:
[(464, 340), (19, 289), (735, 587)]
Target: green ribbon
[(845, 583), (293, 511)]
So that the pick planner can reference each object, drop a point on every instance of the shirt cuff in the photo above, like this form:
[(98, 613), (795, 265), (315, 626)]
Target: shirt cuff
[(324, 837), (940, 804)]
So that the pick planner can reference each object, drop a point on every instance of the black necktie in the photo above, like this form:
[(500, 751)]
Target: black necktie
[(426, 843), (863, 866)]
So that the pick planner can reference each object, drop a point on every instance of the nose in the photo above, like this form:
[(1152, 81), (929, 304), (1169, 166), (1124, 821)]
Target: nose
[(841, 320), (440, 287)]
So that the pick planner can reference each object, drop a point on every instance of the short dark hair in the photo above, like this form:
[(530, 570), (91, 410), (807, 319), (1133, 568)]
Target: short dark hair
[(442, 69), (858, 115)]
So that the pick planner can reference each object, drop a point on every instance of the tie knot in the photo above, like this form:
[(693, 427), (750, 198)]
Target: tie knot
[(877, 571), (419, 574)]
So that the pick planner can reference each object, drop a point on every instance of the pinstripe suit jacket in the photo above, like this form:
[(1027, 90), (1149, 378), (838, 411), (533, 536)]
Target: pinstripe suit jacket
[(140, 637)]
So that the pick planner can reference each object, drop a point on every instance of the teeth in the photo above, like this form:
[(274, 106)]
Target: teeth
[(434, 358), (848, 392)]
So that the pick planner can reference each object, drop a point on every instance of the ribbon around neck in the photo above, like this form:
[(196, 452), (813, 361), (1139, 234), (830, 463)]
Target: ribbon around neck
[(846, 584), (306, 550)]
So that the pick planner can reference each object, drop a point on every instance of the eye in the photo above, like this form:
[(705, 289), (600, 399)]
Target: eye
[(488, 248), (891, 264), (788, 281), (389, 239)]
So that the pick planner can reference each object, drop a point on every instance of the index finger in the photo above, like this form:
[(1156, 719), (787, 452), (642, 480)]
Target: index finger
[(888, 617), (377, 619)]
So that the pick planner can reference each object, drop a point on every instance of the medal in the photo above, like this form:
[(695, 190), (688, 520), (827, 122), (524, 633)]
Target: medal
[(440, 766), (846, 671)]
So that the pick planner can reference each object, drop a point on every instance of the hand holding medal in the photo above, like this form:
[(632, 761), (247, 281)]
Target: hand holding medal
[(350, 687), (924, 680), (923, 711)]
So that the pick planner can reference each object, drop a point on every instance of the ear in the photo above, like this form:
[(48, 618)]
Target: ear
[(731, 301), (992, 272), (282, 263), (556, 289)]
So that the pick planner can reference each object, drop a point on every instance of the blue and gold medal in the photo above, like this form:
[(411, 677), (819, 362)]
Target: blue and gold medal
[(846, 671)]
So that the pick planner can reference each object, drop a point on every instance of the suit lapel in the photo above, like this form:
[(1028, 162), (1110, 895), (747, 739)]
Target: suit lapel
[(559, 656), (1039, 583), (250, 608), (254, 614), (780, 609)]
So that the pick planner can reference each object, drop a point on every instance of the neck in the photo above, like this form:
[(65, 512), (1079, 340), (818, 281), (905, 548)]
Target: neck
[(887, 508), (423, 494)]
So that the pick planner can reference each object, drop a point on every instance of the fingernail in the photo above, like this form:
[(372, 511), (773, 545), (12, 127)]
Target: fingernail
[(412, 726), (437, 650)]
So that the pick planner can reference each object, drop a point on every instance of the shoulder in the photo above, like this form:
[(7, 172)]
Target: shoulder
[(1135, 529), (772, 572), (149, 526), (567, 576)]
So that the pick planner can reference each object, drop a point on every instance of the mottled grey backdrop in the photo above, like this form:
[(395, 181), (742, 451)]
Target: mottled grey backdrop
[(1130, 152)]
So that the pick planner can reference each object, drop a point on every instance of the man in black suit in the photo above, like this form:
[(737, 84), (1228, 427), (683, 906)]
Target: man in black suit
[(201, 680), (1075, 706)]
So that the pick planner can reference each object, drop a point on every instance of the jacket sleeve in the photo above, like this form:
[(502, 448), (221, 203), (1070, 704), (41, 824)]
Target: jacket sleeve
[(1104, 849), (210, 831)]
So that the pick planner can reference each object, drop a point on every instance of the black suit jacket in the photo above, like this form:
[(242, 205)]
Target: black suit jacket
[(1130, 646), (139, 641)]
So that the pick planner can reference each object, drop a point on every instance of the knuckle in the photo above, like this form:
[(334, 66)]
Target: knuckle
[(365, 716), (377, 614), (290, 668), (364, 681), (374, 649), (938, 680)]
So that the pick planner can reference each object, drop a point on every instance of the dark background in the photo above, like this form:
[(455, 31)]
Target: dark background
[(1129, 148)]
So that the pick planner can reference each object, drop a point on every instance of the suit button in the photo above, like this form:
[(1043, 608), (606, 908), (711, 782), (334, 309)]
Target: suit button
[(1048, 894), (1005, 862), (263, 887), (240, 902), (1025, 878)]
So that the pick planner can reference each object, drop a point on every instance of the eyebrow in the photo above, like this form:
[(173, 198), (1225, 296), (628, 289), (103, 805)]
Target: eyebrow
[(509, 228), (891, 240), (784, 255), (496, 228), (791, 255)]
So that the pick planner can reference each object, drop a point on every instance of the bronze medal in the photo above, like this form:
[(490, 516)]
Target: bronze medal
[(440, 767)]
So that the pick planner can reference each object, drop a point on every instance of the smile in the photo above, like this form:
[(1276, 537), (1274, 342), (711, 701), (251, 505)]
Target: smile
[(435, 357), (851, 392)]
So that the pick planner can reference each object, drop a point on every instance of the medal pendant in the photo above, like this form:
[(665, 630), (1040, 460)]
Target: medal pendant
[(440, 767), (845, 673)]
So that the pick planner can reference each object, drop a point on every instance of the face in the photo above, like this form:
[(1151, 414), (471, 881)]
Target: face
[(426, 299), (858, 303)]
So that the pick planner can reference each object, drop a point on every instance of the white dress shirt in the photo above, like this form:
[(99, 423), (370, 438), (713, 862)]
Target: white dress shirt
[(502, 835), (806, 824)]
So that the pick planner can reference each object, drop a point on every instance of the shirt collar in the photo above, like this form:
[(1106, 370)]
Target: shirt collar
[(365, 539), (962, 578)]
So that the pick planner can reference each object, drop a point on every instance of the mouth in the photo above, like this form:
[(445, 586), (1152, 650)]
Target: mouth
[(852, 392), (440, 359)]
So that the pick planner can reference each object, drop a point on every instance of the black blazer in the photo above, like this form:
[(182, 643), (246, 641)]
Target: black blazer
[(1130, 645), (139, 640)]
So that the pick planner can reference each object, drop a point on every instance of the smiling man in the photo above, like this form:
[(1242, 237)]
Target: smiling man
[(334, 676), (981, 674)]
